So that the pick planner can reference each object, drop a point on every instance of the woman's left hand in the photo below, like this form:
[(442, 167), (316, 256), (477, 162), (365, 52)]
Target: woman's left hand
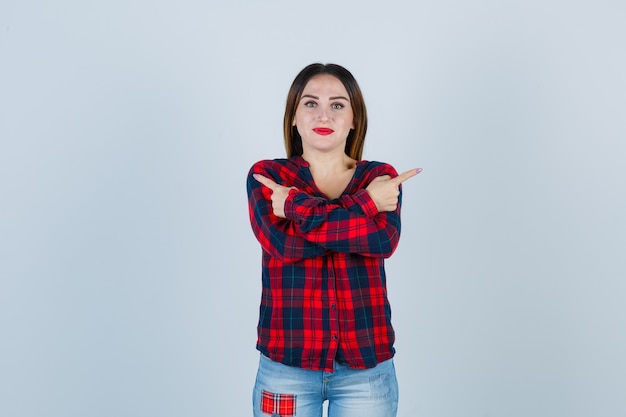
[(279, 194)]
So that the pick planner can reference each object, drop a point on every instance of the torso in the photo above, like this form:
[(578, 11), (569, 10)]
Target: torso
[(334, 186)]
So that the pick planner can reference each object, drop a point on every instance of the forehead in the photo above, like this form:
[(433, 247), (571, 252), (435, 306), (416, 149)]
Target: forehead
[(325, 84)]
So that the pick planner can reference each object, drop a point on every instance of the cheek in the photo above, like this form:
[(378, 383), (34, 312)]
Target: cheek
[(351, 120), (297, 118)]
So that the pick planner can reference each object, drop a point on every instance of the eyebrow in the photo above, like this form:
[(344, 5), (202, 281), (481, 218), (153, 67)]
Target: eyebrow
[(330, 98)]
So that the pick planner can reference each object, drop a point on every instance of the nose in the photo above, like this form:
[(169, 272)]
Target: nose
[(322, 114)]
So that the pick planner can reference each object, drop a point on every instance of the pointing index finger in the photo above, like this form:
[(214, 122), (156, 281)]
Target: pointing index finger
[(406, 175), (265, 181)]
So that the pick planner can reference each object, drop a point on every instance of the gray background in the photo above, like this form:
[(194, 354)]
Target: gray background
[(130, 278)]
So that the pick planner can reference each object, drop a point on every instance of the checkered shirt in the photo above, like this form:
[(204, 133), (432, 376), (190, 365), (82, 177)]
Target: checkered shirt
[(323, 277)]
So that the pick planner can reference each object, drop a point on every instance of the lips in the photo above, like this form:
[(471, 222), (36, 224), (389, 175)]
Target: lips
[(323, 131)]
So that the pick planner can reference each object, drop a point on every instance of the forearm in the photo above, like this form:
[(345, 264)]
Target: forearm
[(278, 237), (351, 225)]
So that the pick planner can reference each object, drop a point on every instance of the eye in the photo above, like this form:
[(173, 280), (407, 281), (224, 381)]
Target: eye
[(337, 106), (310, 104)]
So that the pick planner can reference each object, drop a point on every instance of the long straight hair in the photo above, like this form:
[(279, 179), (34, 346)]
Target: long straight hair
[(356, 137)]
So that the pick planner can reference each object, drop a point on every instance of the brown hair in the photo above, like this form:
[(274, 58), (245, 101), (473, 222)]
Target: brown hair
[(356, 137)]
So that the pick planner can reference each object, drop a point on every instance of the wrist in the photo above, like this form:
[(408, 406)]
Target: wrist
[(289, 206), (367, 202)]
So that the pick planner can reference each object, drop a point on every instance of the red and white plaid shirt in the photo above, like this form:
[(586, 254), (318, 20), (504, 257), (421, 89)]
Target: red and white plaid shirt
[(324, 286)]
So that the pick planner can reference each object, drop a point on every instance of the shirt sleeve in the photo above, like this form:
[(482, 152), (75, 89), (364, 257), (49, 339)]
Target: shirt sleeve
[(278, 237), (351, 224)]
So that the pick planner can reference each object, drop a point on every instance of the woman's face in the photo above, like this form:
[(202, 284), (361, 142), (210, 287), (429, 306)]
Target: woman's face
[(324, 115)]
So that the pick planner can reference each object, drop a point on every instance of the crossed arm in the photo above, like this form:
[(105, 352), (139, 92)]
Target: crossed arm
[(384, 190), (292, 225)]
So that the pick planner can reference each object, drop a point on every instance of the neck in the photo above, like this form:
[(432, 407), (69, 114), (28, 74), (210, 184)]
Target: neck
[(328, 163)]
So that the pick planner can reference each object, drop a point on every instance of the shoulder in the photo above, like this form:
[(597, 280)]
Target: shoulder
[(276, 168), (376, 169), (269, 164)]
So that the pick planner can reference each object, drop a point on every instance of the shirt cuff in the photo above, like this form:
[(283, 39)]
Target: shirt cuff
[(290, 207), (363, 199)]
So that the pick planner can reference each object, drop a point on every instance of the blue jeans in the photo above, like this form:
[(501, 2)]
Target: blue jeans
[(286, 391)]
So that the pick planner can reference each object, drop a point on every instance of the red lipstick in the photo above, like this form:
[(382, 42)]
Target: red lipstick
[(324, 131)]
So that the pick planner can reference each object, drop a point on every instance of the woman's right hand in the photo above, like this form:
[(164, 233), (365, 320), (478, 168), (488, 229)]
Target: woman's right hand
[(385, 190)]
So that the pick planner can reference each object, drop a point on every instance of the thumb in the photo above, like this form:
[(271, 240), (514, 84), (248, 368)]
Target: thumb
[(381, 178)]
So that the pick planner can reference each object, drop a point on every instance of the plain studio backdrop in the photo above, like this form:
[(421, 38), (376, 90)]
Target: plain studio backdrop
[(130, 277)]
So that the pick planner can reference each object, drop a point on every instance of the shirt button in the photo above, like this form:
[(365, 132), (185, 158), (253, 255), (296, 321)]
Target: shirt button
[(334, 337), (334, 306)]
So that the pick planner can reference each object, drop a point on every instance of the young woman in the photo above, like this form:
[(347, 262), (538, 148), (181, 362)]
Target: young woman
[(326, 220)]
